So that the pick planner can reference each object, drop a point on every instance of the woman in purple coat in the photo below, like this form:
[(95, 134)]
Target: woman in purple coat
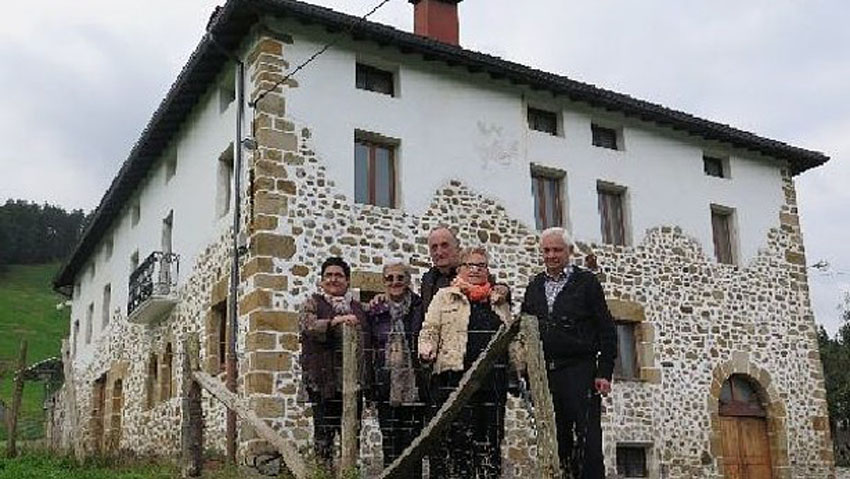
[(397, 385)]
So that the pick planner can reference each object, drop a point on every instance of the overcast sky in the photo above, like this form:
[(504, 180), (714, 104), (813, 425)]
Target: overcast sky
[(80, 80)]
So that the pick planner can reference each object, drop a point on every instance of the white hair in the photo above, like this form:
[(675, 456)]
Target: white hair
[(557, 231), (398, 264)]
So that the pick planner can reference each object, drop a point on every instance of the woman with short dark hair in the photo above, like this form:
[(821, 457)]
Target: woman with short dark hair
[(320, 324)]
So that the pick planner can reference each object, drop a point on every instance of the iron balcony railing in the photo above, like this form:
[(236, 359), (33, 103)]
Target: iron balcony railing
[(155, 277)]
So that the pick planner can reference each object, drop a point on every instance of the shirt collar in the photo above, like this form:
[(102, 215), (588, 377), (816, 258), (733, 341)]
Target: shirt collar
[(562, 276)]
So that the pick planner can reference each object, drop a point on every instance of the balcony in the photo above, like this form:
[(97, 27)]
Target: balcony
[(153, 288)]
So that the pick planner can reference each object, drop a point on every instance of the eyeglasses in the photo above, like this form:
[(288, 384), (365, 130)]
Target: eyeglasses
[(392, 278), (475, 265)]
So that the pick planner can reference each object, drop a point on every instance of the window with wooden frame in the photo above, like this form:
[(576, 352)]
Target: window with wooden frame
[(723, 233), (604, 137), (715, 166), (631, 461), (374, 173), (167, 368), (738, 397), (543, 120), (151, 381), (219, 319), (626, 365), (375, 79), (612, 213), (547, 189)]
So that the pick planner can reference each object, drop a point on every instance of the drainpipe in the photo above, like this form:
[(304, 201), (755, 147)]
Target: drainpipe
[(231, 369)]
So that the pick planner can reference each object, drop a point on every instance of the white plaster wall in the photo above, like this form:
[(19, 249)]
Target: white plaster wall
[(452, 124), (190, 193)]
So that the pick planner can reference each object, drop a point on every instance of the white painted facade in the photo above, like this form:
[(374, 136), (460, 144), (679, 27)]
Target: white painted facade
[(190, 194), (450, 124), (456, 125)]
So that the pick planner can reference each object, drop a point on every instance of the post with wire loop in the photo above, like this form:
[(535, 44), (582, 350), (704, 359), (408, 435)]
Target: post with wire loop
[(350, 397)]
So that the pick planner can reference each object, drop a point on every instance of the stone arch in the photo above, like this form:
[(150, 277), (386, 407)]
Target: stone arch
[(769, 397)]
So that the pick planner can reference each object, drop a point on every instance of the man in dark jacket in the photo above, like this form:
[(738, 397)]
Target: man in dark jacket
[(580, 345)]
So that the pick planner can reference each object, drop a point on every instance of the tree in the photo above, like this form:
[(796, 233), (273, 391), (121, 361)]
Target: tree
[(32, 233)]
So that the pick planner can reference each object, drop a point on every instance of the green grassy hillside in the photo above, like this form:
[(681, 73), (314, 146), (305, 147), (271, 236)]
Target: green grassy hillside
[(28, 311)]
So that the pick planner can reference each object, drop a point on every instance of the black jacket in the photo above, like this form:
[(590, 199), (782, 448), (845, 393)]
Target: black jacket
[(580, 325)]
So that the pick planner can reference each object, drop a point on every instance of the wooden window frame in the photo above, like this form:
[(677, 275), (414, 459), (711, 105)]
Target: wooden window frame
[(644, 448), (539, 175), (597, 129), (372, 144), (714, 160), (605, 188), (369, 71), (728, 216), (635, 374), (533, 113)]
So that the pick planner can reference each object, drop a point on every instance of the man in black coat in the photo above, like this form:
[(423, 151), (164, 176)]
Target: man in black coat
[(580, 345)]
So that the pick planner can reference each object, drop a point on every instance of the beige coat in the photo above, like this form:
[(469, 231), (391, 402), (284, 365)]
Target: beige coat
[(445, 329)]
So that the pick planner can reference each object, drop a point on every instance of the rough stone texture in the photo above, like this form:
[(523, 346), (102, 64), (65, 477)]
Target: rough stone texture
[(700, 321)]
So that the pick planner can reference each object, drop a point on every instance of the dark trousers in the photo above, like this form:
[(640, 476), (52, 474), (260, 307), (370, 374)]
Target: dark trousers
[(399, 427), (327, 423), (471, 447), (578, 419)]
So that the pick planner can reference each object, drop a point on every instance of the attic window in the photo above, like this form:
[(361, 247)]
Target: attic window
[(226, 96), (374, 79), (715, 166), (136, 213), (604, 137), (542, 120)]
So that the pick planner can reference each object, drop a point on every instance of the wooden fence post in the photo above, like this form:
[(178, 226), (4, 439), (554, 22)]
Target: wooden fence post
[(544, 413), (469, 383), (350, 398), (11, 449), (192, 426)]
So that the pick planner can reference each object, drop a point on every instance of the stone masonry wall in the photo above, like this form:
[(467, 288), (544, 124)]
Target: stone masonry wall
[(702, 321)]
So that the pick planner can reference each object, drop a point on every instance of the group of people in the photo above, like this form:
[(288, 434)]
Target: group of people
[(416, 348)]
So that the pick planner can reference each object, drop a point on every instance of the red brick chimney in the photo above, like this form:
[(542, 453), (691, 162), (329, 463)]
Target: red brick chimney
[(437, 19)]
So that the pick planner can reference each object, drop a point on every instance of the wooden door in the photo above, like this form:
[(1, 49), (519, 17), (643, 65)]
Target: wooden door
[(746, 450)]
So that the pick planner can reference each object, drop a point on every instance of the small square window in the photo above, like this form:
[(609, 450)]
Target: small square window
[(604, 137), (626, 364), (89, 319), (107, 248), (631, 461), (714, 166), (547, 190), (170, 166), (722, 228), (374, 173), (542, 120), (374, 79), (224, 184), (136, 213), (226, 96), (134, 261)]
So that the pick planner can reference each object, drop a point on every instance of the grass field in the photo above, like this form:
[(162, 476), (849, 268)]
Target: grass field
[(43, 465), (28, 311)]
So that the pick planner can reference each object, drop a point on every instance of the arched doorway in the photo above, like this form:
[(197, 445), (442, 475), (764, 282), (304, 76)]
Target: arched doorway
[(744, 430)]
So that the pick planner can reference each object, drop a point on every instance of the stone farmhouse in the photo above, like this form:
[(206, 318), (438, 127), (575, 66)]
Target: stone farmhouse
[(692, 224)]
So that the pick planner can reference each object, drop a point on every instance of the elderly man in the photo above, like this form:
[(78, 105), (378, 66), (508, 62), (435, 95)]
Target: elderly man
[(580, 345), (444, 248)]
